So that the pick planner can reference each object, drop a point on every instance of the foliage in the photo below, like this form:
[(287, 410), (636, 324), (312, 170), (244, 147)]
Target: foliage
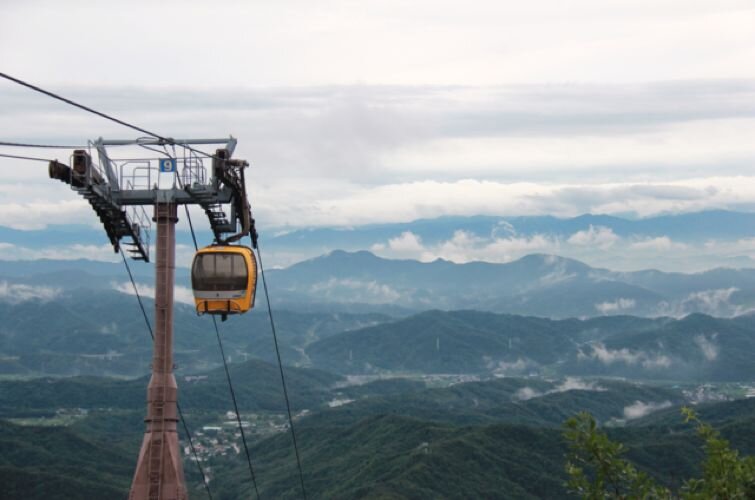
[(597, 470), (725, 473)]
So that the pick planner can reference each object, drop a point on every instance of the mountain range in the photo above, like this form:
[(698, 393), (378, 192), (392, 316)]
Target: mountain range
[(697, 347), (680, 242), (538, 284)]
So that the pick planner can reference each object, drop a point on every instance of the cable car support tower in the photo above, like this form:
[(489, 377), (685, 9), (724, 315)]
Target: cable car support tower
[(119, 190)]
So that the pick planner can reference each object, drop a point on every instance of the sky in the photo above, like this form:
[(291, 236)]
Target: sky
[(365, 112)]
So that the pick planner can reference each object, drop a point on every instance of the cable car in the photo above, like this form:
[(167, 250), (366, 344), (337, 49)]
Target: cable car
[(224, 279)]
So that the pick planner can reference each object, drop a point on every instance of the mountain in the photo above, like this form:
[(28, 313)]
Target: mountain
[(697, 347), (392, 456), (361, 282), (56, 463), (525, 401), (541, 285), (492, 439), (102, 332), (258, 388), (682, 242)]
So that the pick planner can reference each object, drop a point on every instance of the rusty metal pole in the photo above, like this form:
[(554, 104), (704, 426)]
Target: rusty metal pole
[(159, 472)]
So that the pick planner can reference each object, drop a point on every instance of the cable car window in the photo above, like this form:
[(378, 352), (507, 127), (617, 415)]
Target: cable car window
[(219, 271)]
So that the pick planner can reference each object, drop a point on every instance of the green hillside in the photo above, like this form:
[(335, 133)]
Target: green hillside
[(257, 385), (56, 463), (696, 348)]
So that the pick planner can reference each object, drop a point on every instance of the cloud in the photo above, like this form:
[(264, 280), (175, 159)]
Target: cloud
[(659, 244), (595, 236), (616, 306), (9, 251), (526, 393), (628, 357), (707, 347), (640, 409), (407, 245), (503, 367), (577, 384), (464, 246), (16, 293), (715, 302), (569, 384), (181, 294), (353, 290)]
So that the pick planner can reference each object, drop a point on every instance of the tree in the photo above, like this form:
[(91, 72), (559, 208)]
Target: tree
[(597, 470)]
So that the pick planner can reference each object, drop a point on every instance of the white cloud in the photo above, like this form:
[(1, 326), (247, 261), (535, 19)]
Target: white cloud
[(595, 236), (9, 251), (503, 367), (181, 294), (715, 302), (16, 293), (353, 290), (659, 244), (526, 393), (37, 214), (640, 409), (465, 247), (619, 305), (628, 357), (577, 384), (569, 384), (407, 245), (446, 42), (707, 347)]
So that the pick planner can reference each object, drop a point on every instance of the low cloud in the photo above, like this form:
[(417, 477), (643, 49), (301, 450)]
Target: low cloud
[(13, 293), (181, 294), (577, 384), (503, 367), (715, 302), (9, 251), (628, 357), (595, 236), (658, 244), (707, 347), (406, 245), (351, 290), (526, 393), (569, 384), (640, 409), (616, 306), (464, 247)]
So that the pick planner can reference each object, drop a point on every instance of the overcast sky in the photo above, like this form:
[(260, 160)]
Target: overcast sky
[(358, 112)]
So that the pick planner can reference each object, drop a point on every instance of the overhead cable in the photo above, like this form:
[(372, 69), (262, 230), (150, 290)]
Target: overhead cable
[(280, 367), (35, 88), (31, 158), (40, 146)]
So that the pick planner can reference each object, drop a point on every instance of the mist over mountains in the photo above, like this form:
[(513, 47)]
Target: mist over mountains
[(682, 242), (539, 285)]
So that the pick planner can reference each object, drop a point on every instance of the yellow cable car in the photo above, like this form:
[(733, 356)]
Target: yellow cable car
[(224, 279)]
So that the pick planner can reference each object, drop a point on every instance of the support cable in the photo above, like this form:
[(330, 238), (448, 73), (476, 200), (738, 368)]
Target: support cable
[(39, 146), (35, 88), (178, 406), (228, 375), (280, 367), (3, 155)]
